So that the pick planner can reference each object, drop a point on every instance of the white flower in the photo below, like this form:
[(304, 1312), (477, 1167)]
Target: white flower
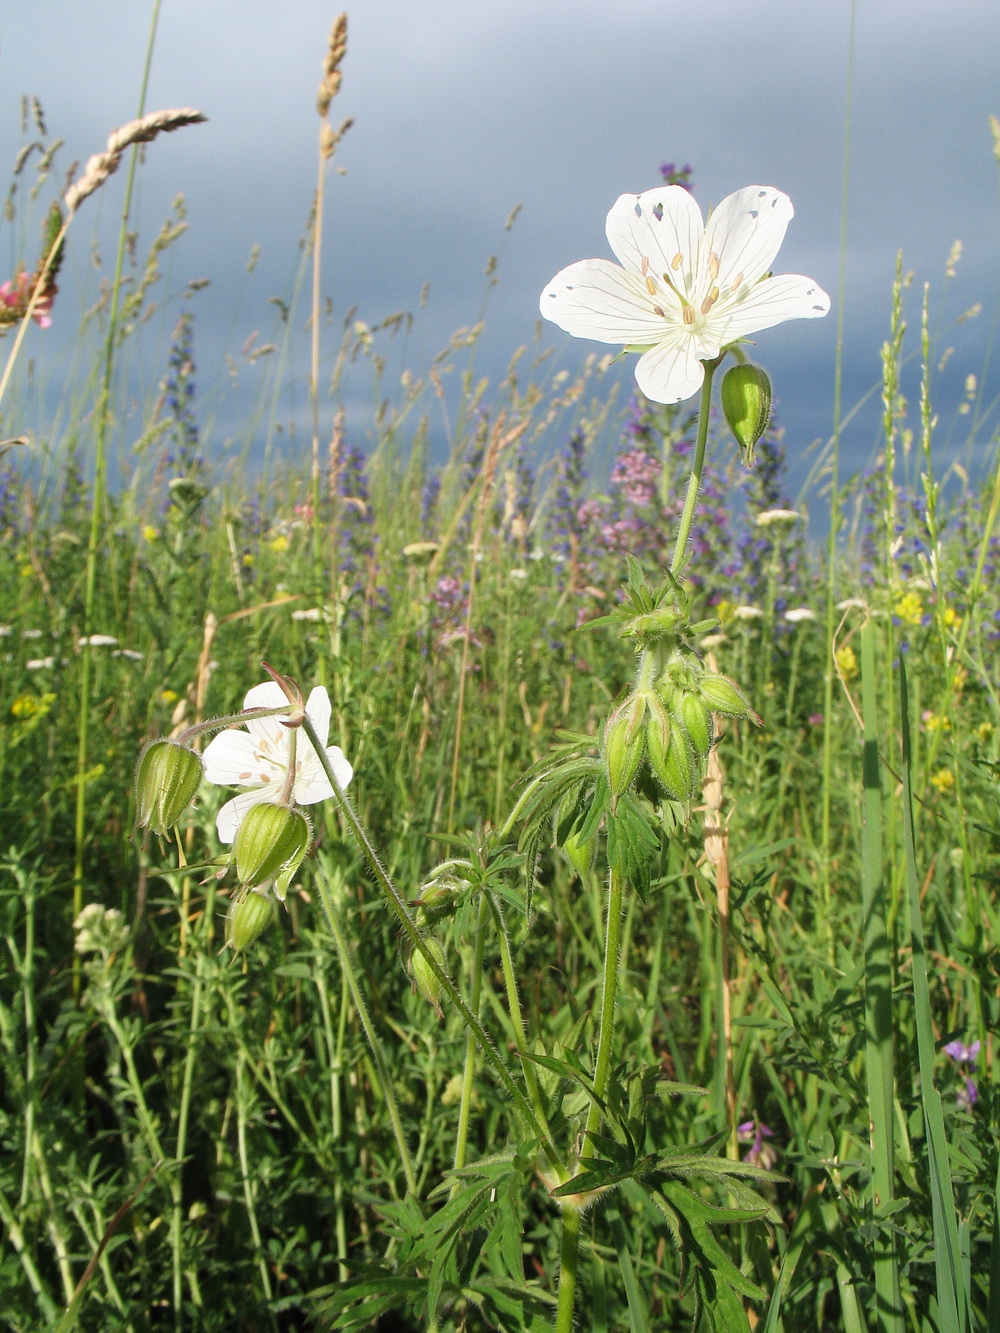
[(769, 516), (258, 758), (40, 663), (799, 613), (684, 291), (98, 641), (748, 613)]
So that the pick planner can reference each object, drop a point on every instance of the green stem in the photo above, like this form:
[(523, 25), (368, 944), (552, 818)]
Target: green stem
[(469, 1069), (609, 992), (176, 1220), (97, 516), (400, 911), (569, 1255), (878, 1008), (694, 483), (373, 1041)]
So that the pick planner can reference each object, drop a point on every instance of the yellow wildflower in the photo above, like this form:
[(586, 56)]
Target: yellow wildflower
[(983, 732), (279, 544), (951, 617), (248, 559), (847, 662), (724, 610), (909, 609), (943, 780), (936, 722), (168, 697), (150, 533), (25, 705)]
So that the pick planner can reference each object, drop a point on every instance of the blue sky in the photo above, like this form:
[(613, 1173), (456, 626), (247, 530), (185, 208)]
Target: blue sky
[(463, 110)]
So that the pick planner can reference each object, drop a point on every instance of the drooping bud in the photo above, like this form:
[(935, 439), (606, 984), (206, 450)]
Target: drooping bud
[(270, 842), (166, 780), (746, 402), (424, 978), (248, 918), (697, 720), (723, 695), (581, 854), (681, 771), (624, 744)]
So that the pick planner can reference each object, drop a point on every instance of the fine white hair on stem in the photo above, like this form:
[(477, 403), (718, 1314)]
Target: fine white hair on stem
[(146, 128)]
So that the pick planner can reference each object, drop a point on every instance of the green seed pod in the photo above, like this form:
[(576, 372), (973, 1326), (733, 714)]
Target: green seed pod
[(624, 744), (697, 720), (723, 695), (423, 975), (166, 779), (746, 402), (248, 918), (271, 841)]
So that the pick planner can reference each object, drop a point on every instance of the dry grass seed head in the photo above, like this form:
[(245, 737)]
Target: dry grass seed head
[(144, 130), (335, 51)]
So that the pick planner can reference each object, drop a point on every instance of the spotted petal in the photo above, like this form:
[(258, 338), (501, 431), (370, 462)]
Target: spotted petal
[(771, 302), (597, 299), (746, 232), (657, 226)]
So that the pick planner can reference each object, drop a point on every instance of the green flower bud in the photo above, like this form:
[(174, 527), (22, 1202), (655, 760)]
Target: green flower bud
[(248, 918), (424, 977), (658, 740), (676, 767), (624, 744), (270, 842), (167, 777), (723, 695), (746, 402), (697, 720)]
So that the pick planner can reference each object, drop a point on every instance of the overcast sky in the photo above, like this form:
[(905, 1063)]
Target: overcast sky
[(464, 108)]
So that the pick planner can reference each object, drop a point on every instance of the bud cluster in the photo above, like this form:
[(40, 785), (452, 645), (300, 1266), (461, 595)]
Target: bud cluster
[(667, 721)]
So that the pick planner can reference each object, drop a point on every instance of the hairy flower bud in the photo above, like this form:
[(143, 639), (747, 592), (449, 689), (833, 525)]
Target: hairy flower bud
[(423, 975), (697, 721), (746, 402), (271, 842), (723, 695), (248, 918), (166, 780), (624, 744)]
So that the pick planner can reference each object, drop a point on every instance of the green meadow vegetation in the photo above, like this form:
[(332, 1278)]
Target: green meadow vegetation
[(607, 993)]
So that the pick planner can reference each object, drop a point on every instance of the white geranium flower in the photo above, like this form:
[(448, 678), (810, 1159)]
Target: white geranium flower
[(684, 290), (258, 758)]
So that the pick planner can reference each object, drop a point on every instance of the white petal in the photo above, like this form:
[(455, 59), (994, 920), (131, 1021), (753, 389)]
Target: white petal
[(771, 302), (597, 299), (746, 232), (267, 695), (231, 815), (312, 784), (666, 374), (658, 226), (318, 710), (230, 760)]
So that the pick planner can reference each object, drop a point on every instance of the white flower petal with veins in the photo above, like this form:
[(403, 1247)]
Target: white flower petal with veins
[(684, 290), (258, 758)]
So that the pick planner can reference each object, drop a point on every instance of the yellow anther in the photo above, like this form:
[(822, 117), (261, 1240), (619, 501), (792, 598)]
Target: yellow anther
[(736, 282), (709, 300), (689, 314), (651, 286), (713, 265), (677, 260)]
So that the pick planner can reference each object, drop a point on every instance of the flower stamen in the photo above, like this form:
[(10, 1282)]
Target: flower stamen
[(676, 262), (713, 265), (709, 300)]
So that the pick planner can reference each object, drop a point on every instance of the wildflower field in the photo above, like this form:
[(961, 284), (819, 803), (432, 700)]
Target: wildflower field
[(511, 890)]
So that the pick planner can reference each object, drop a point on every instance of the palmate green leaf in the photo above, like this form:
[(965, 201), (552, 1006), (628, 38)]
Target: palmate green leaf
[(632, 844)]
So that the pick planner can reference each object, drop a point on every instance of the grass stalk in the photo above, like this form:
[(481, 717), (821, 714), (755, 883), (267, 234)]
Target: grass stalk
[(878, 1007)]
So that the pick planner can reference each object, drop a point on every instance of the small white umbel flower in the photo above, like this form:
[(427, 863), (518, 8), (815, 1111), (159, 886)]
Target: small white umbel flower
[(259, 758), (683, 291)]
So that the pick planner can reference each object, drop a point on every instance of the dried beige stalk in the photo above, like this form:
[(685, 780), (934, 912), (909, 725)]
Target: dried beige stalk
[(102, 165)]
